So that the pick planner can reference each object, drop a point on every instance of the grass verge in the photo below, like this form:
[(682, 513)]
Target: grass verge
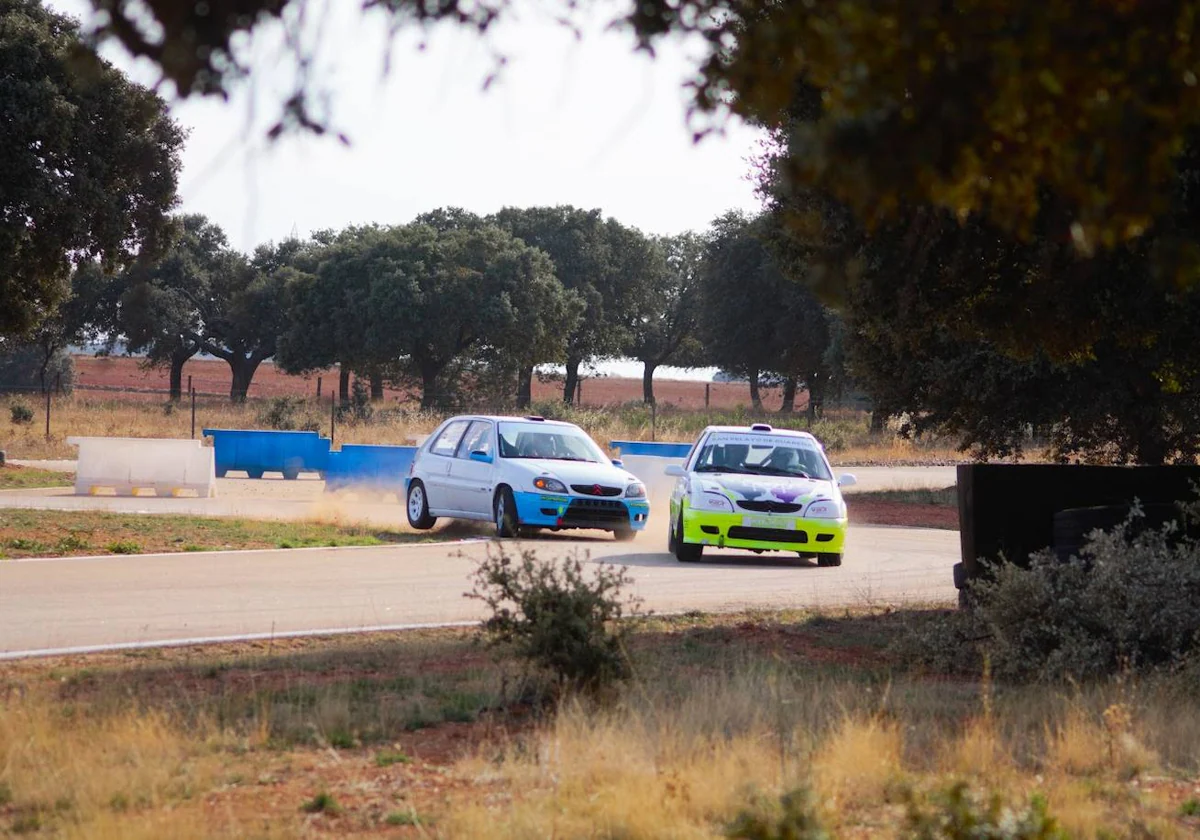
[(57, 533), (424, 733), (13, 477)]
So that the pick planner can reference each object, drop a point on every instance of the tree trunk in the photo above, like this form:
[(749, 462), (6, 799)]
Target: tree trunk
[(648, 382), (1151, 445), (343, 384), (789, 396), (429, 389), (878, 421), (178, 360), (525, 387), (816, 398), (243, 370), (572, 380), (755, 396), (376, 385)]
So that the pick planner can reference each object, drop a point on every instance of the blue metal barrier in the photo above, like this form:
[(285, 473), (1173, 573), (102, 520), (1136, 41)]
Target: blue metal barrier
[(257, 451), (660, 450), (380, 468)]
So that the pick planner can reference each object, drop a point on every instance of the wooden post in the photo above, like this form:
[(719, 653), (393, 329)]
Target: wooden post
[(192, 394), (707, 389), (318, 388), (332, 417), (47, 414), (653, 418)]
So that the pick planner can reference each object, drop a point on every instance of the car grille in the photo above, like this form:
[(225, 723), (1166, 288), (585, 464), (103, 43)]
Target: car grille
[(770, 507), (595, 490), (738, 532), (595, 513)]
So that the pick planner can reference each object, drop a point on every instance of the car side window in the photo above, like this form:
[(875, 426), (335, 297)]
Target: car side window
[(478, 439), (448, 440)]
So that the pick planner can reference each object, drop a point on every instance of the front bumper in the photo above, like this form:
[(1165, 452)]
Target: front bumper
[(764, 532), (552, 510)]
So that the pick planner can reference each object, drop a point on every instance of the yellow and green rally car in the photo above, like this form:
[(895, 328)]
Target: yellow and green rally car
[(761, 489)]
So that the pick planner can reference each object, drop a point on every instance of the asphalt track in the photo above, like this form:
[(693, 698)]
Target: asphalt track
[(83, 603)]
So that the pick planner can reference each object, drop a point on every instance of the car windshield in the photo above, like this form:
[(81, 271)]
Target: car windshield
[(552, 443), (761, 455)]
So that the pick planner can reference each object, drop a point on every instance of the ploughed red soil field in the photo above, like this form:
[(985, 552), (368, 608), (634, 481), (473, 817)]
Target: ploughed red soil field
[(211, 377)]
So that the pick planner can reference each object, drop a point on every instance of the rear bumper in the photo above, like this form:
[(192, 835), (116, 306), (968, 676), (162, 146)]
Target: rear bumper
[(551, 510), (786, 532)]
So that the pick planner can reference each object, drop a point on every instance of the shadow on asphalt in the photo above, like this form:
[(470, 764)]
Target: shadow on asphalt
[(715, 561)]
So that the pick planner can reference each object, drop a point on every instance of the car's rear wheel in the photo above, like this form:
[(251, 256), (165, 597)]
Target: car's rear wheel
[(505, 514), (827, 560), (624, 534), (684, 552), (418, 507)]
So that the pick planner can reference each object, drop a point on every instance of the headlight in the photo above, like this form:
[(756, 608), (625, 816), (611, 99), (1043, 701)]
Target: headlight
[(637, 490), (824, 509), (711, 502), (549, 485)]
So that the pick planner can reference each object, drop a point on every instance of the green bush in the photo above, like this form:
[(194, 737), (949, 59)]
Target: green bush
[(556, 617), (280, 413), (792, 817), (1132, 601), (957, 814), (20, 414)]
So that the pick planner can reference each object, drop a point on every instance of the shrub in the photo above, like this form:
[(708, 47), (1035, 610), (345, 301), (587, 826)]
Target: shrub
[(359, 409), (20, 414), (793, 817), (124, 547), (280, 413), (557, 618), (957, 814), (323, 803), (1131, 601)]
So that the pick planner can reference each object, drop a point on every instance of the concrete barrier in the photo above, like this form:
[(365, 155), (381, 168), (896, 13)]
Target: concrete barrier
[(382, 469), (258, 451), (650, 470), (126, 465)]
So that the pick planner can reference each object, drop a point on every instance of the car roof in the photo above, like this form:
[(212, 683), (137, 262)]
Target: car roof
[(748, 430), (504, 418)]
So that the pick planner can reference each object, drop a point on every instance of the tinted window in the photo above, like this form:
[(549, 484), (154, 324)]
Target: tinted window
[(448, 440), (560, 443), (478, 439)]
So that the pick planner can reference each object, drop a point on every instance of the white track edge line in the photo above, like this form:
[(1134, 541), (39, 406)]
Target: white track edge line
[(429, 544), (216, 640)]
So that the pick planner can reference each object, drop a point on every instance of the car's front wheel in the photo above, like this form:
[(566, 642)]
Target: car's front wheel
[(505, 514), (826, 560), (624, 534), (684, 552), (418, 507)]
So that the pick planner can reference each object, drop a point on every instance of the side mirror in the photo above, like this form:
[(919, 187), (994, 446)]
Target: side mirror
[(675, 471), (617, 462), (847, 480), (481, 456)]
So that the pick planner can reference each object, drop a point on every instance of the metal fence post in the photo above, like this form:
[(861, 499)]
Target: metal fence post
[(318, 389), (47, 414), (653, 418), (192, 393), (332, 417), (707, 388)]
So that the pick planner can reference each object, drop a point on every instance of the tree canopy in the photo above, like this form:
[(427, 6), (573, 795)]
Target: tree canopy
[(88, 164), (976, 106)]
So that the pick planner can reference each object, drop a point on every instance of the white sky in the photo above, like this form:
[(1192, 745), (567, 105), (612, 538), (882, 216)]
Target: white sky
[(589, 123)]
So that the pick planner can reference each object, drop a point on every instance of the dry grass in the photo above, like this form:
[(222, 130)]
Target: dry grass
[(844, 433), (421, 735)]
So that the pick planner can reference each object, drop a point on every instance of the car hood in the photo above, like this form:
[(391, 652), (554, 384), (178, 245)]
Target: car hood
[(765, 487), (575, 472)]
